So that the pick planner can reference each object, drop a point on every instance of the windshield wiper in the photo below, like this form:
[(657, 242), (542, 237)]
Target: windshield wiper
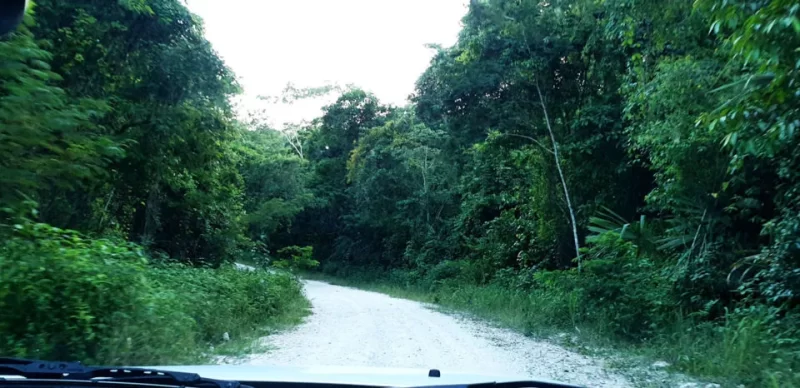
[(523, 384), (75, 371)]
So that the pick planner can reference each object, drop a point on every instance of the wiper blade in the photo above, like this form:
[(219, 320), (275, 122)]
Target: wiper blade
[(54, 370), (509, 384), (524, 384)]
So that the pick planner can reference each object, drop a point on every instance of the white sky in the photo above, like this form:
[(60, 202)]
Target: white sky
[(378, 45)]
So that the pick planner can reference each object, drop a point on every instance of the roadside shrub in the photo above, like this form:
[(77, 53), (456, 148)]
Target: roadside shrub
[(296, 258), (453, 273), (441, 273), (513, 279), (61, 294), (754, 343), (405, 278), (158, 332), (67, 297), (227, 300), (626, 293)]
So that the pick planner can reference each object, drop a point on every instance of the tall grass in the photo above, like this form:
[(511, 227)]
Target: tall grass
[(741, 349), (66, 297), (223, 311), (744, 348)]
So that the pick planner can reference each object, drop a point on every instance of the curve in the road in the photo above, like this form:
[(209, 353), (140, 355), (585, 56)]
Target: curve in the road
[(350, 327)]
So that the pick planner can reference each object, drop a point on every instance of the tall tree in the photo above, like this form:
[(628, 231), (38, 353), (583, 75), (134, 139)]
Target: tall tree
[(49, 140), (177, 189)]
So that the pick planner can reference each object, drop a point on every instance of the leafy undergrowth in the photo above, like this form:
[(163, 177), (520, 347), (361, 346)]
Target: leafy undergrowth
[(101, 301), (741, 350)]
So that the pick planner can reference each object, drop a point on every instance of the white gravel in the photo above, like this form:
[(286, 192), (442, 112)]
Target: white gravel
[(351, 327)]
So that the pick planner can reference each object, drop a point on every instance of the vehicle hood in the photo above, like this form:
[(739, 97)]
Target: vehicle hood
[(338, 375)]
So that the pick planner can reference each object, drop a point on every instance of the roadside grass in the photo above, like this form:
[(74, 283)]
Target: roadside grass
[(231, 310), (202, 306), (202, 314), (383, 287), (68, 297), (249, 342), (740, 350)]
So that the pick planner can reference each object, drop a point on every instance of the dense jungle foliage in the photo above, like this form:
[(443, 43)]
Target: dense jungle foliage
[(623, 167), (664, 132), (127, 184)]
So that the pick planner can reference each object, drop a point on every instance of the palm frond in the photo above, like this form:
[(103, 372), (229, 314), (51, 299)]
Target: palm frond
[(607, 220)]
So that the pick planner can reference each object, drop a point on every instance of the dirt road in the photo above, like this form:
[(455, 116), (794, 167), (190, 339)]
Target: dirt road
[(351, 327)]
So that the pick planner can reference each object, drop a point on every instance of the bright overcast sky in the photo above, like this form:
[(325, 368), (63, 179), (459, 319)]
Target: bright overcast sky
[(378, 45)]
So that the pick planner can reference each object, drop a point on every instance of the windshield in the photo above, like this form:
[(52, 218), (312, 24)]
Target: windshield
[(589, 192)]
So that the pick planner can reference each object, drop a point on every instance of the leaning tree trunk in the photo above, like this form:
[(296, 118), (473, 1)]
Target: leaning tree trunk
[(561, 175)]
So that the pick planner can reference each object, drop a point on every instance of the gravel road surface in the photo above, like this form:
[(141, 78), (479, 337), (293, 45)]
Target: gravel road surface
[(351, 327)]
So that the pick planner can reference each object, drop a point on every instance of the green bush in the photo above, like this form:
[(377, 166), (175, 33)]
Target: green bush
[(629, 291), (157, 332), (749, 345), (60, 293), (443, 273), (67, 297), (296, 258), (227, 300), (625, 293), (405, 278)]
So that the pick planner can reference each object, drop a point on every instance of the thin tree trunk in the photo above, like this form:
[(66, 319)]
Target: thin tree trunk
[(561, 175), (425, 187), (296, 144), (557, 157), (151, 214), (105, 209), (696, 234)]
